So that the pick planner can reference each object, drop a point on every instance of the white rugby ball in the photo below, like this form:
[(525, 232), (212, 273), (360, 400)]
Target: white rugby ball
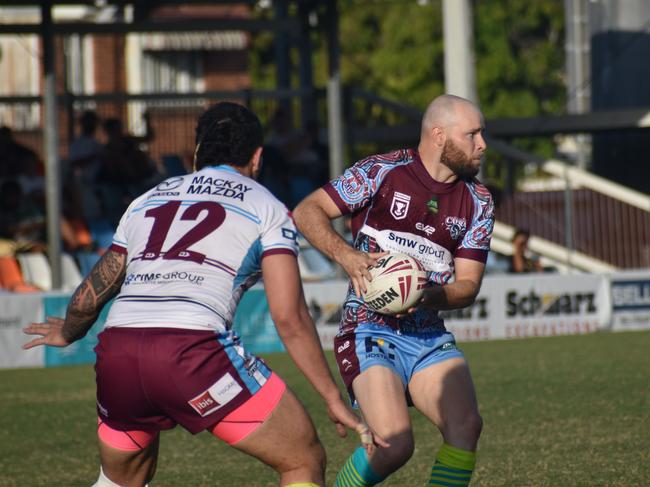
[(398, 282)]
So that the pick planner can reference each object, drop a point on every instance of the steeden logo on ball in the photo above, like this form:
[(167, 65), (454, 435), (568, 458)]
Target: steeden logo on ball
[(398, 282)]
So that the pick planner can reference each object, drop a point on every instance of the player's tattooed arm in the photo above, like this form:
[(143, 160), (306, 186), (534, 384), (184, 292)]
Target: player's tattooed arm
[(97, 289)]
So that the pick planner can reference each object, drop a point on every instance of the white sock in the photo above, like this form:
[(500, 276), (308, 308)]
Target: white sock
[(104, 481)]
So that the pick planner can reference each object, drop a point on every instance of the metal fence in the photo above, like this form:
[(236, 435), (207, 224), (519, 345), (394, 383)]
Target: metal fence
[(599, 219)]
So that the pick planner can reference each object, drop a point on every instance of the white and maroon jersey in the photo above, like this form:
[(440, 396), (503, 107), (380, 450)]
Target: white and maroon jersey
[(194, 244), (397, 206)]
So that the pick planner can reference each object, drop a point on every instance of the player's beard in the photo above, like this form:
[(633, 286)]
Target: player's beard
[(456, 160)]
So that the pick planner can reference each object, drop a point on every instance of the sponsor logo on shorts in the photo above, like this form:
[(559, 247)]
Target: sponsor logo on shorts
[(375, 349), (345, 346), (218, 395), (448, 346), (347, 364)]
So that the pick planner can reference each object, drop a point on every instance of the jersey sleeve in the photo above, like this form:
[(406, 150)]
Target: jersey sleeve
[(358, 184), (476, 242), (279, 235), (120, 243)]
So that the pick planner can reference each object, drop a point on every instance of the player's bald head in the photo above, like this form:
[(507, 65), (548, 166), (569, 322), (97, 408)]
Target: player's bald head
[(443, 112)]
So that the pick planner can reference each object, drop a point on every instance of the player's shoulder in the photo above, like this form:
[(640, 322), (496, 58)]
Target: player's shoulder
[(261, 200), (394, 158), (481, 195)]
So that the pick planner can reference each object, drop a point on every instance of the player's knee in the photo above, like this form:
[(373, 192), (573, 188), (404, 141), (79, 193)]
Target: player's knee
[(315, 455), (474, 425), (400, 451), (467, 427), (309, 457)]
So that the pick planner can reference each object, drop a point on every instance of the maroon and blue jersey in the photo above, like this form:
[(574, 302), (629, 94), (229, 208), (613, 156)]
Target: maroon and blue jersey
[(397, 206)]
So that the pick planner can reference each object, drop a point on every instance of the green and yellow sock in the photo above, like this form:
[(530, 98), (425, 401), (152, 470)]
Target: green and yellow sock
[(453, 467), (357, 471)]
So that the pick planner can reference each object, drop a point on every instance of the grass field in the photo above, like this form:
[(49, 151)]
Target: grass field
[(562, 411)]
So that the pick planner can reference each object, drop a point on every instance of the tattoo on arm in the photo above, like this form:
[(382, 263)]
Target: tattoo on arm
[(103, 282)]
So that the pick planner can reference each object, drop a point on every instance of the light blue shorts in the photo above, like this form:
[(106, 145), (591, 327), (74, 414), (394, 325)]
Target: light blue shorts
[(403, 353)]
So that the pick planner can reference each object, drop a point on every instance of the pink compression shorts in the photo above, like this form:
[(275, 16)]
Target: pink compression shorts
[(233, 428), (124, 440), (250, 415)]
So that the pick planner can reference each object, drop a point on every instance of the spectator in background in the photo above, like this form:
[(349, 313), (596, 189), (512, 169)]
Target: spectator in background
[(522, 259), (21, 221), (304, 156), (125, 170), (85, 148), (15, 158), (82, 166)]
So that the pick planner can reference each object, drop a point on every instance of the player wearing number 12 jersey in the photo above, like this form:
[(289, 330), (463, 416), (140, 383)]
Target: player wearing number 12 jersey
[(182, 256)]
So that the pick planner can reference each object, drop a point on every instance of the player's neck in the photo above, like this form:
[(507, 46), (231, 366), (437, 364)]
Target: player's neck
[(436, 169)]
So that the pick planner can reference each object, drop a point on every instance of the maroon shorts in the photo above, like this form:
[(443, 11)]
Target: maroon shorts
[(154, 378)]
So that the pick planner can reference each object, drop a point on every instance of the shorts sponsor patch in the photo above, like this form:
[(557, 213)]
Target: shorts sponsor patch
[(448, 346), (218, 395)]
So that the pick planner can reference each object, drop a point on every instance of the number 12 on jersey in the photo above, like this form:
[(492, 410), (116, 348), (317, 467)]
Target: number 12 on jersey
[(163, 219)]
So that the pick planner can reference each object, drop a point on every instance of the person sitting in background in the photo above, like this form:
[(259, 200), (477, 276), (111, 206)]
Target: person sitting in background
[(21, 220), (124, 172), (14, 156), (522, 259), (83, 165)]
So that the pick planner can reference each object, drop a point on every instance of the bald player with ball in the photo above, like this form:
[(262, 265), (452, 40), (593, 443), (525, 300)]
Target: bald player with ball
[(426, 203)]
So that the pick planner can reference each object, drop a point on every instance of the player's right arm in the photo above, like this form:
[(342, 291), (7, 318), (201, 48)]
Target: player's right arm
[(298, 333), (98, 288), (313, 218)]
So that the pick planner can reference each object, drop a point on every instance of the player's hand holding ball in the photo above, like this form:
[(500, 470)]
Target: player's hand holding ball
[(397, 285), (357, 265)]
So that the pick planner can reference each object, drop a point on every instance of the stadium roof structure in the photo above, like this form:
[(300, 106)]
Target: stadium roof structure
[(137, 16)]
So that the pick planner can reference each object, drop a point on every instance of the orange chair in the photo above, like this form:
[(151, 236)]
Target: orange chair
[(11, 278)]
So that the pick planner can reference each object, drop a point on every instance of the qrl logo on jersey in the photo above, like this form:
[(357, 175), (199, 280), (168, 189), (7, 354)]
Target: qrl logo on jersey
[(399, 207)]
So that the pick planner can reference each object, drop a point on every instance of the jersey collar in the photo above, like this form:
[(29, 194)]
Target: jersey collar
[(226, 167)]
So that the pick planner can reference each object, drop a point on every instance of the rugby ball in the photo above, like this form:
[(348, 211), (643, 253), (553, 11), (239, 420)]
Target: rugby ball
[(398, 282)]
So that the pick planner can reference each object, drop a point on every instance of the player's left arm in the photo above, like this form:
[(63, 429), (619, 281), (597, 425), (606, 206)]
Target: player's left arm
[(460, 293), (98, 288)]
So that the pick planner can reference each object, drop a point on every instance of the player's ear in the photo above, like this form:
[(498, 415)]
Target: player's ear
[(438, 136), (196, 151), (256, 162)]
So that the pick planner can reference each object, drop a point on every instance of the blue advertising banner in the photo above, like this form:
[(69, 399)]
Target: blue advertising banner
[(254, 325), (79, 352)]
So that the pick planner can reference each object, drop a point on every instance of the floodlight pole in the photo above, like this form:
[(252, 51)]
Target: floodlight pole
[(282, 57), (460, 70), (51, 147), (334, 100)]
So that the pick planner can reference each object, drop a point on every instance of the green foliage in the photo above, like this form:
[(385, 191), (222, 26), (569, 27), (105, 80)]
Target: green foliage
[(394, 49), (562, 411), (520, 57)]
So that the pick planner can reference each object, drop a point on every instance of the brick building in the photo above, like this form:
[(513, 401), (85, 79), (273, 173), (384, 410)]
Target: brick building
[(93, 65)]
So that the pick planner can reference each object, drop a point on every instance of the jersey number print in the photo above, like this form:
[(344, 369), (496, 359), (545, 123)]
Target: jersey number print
[(163, 218)]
